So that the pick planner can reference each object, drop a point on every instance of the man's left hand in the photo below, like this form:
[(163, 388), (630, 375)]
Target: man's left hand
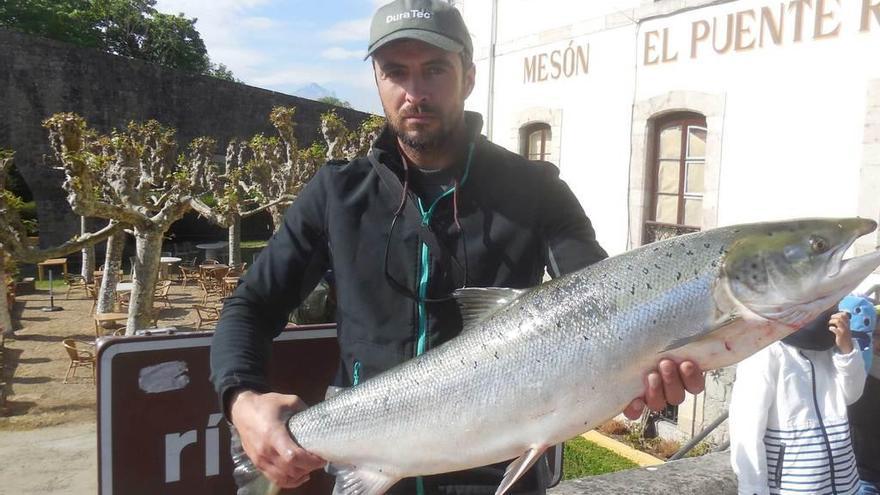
[(666, 386)]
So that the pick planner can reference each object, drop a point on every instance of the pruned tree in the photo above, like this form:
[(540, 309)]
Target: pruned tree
[(135, 177), (344, 144), (264, 173), (14, 242)]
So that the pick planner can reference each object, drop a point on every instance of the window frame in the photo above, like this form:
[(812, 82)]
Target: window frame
[(525, 134), (687, 121)]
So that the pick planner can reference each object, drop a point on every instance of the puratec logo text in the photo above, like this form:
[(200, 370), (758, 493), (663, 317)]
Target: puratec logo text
[(409, 14)]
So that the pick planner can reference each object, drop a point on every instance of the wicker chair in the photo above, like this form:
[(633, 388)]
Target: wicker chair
[(189, 274), (75, 282), (206, 314), (78, 359), (161, 292)]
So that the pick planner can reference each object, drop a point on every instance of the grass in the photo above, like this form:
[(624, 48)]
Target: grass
[(253, 244), (584, 458), (44, 284)]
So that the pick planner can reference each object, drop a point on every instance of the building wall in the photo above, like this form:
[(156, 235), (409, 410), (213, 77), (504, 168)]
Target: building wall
[(792, 110), (40, 77), (792, 104)]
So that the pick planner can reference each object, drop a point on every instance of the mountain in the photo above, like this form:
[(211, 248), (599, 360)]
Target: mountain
[(314, 91)]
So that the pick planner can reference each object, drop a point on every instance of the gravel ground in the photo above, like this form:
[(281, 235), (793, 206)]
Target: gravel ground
[(56, 459)]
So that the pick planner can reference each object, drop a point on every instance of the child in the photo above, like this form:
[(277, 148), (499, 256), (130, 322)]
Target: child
[(789, 432), (864, 419)]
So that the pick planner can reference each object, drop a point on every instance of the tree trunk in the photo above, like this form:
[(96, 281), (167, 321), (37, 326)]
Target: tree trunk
[(277, 213), (112, 265), (5, 316), (235, 241), (146, 271), (88, 255)]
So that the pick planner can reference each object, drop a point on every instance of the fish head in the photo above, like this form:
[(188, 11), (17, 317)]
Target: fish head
[(791, 271)]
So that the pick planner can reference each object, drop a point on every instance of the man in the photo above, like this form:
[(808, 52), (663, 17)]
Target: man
[(434, 207)]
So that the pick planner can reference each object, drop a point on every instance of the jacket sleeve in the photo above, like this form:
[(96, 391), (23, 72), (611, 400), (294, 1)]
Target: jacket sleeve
[(569, 238), (285, 271), (753, 394), (850, 373)]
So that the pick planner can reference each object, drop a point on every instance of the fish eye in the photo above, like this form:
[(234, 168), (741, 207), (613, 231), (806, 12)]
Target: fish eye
[(818, 245)]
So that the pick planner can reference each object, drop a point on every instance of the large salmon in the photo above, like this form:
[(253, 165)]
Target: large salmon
[(536, 367)]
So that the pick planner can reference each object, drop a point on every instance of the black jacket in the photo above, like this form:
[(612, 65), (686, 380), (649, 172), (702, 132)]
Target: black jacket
[(517, 217)]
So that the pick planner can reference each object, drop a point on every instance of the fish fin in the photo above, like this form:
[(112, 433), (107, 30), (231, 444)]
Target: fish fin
[(720, 323), (478, 303), (351, 480), (518, 467)]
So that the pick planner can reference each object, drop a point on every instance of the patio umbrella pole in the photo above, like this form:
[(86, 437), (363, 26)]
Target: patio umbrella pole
[(51, 307)]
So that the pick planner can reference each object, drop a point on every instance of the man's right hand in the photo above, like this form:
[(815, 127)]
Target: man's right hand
[(261, 422)]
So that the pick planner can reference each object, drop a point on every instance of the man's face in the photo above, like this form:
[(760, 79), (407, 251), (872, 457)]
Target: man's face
[(422, 89)]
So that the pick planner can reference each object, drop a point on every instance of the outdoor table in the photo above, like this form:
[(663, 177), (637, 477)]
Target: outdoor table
[(62, 262), (101, 318), (212, 248), (124, 286), (165, 264)]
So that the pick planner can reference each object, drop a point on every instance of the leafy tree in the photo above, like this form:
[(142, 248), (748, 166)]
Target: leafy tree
[(64, 20), (129, 28), (332, 100)]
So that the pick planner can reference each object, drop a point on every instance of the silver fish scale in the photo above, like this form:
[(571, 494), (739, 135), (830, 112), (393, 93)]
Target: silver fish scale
[(554, 363)]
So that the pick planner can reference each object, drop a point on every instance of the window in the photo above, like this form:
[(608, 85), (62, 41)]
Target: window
[(679, 161), (535, 141)]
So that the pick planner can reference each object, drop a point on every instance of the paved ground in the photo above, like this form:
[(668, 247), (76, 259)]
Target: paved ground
[(57, 459)]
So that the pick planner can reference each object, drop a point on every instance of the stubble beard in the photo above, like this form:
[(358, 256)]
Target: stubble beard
[(423, 140)]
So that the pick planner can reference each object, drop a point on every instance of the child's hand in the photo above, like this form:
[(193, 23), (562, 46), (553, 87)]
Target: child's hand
[(839, 326)]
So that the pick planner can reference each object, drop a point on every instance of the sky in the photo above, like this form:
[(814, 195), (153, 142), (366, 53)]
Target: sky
[(284, 45)]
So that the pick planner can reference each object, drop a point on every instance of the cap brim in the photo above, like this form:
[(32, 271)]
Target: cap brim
[(430, 37)]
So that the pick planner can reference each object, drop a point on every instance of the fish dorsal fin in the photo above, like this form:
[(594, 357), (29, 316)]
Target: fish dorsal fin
[(478, 303), (351, 480), (518, 467)]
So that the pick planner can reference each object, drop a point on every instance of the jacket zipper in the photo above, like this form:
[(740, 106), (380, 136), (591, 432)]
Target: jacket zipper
[(425, 253), (822, 425), (356, 373)]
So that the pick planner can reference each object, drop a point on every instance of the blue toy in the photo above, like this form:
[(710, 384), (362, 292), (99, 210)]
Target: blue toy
[(862, 321)]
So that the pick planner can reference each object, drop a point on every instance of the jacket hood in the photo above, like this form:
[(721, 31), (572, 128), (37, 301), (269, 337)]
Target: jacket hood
[(814, 335)]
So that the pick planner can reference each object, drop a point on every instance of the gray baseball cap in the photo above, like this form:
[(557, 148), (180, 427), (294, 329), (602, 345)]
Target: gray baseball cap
[(435, 22)]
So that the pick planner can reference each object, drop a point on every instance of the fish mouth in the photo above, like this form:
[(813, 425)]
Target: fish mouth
[(859, 265)]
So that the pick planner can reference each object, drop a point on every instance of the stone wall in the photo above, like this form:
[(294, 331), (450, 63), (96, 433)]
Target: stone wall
[(39, 77), (707, 475)]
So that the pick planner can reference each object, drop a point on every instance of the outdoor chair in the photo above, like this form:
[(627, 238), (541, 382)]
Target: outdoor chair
[(211, 287), (92, 291), (189, 274), (78, 359), (75, 282), (211, 261), (161, 292), (206, 314)]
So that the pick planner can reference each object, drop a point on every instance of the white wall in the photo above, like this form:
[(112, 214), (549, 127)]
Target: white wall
[(794, 114)]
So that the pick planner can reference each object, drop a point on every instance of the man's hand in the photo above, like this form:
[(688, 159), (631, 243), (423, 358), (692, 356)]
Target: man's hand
[(839, 326), (260, 421), (667, 385)]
